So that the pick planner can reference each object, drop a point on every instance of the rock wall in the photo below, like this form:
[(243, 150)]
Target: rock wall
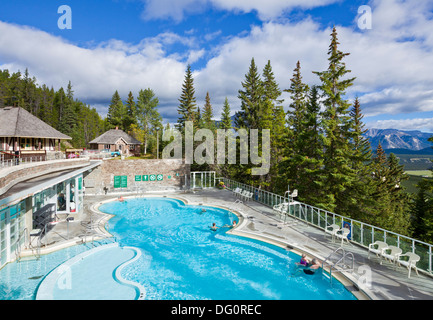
[(116, 176)]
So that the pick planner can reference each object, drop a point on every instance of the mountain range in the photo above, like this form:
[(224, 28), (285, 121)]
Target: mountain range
[(399, 139)]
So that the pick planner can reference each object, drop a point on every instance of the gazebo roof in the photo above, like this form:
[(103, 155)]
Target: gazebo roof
[(18, 122), (112, 136)]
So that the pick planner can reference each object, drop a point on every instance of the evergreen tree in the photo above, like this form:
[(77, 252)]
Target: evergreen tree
[(336, 125), (188, 106), (357, 195), (116, 112), (207, 115), (131, 112), (68, 117), (226, 120), (251, 100), (149, 119)]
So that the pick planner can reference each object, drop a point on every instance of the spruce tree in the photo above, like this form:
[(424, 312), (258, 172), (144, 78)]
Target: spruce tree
[(148, 118), (357, 195), (226, 120), (251, 99), (207, 115), (336, 126), (188, 106), (116, 112)]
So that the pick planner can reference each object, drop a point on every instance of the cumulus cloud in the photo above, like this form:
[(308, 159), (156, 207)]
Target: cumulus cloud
[(177, 9), (421, 124), (94, 72), (392, 62)]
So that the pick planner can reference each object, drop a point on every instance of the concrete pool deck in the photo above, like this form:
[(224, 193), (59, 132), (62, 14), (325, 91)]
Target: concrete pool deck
[(258, 221)]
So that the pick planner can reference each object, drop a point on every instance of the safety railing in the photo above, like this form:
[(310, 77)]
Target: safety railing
[(361, 233)]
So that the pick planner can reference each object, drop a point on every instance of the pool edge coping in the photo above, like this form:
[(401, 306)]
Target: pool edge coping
[(51, 279), (349, 282)]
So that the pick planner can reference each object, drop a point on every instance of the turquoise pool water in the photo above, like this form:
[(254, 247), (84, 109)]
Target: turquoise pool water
[(184, 259), (180, 258)]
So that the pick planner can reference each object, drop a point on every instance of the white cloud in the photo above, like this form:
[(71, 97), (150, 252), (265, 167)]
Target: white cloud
[(97, 72), (392, 62), (177, 9), (421, 124)]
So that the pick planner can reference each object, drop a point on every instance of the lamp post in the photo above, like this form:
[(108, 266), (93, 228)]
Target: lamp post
[(157, 142)]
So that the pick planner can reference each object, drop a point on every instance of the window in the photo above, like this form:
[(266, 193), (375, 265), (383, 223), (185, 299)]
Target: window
[(61, 197)]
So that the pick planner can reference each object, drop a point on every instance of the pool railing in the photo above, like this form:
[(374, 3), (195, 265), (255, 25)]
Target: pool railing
[(361, 233)]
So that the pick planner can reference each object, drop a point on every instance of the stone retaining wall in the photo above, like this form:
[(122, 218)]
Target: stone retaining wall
[(153, 175)]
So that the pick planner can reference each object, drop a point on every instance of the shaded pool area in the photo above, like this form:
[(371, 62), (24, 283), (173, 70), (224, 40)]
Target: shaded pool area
[(92, 275)]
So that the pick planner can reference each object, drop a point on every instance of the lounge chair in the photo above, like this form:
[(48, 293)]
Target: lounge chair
[(410, 263), (332, 230), (377, 248), (391, 253), (235, 191)]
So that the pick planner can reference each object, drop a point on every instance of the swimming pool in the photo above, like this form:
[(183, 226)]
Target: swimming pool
[(182, 258)]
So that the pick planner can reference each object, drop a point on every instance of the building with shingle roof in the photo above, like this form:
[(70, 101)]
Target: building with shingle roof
[(22, 132), (116, 140)]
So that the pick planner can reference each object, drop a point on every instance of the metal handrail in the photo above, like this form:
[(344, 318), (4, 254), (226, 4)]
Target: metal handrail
[(320, 218)]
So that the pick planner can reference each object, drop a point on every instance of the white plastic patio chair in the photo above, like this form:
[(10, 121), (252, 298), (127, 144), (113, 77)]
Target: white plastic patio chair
[(391, 253), (243, 193), (240, 192), (342, 234), (332, 230), (293, 195), (410, 263), (281, 208), (249, 196), (377, 248), (235, 191)]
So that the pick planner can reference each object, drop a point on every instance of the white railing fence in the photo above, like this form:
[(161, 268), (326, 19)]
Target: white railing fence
[(361, 233)]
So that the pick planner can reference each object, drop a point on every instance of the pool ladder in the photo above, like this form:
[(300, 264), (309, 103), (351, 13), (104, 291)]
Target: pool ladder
[(345, 263)]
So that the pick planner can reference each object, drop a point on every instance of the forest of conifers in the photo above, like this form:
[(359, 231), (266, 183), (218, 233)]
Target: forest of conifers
[(317, 143)]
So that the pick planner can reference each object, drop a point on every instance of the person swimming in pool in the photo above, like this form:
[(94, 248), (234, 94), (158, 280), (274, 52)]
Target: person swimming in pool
[(214, 227), (312, 267), (230, 226), (303, 262)]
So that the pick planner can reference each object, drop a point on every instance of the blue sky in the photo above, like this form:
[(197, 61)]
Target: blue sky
[(128, 45)]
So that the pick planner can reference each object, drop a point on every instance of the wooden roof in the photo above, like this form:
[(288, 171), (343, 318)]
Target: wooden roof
[(112, 136), (18, 122)]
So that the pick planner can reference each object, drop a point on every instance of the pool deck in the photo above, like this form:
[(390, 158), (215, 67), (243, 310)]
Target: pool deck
[(384, 282)]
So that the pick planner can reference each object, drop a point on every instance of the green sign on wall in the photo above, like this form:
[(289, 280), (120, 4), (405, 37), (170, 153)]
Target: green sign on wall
[(120, 181), (138, 178)]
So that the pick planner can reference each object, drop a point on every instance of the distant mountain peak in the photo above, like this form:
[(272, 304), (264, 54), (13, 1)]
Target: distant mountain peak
[(398, 139)]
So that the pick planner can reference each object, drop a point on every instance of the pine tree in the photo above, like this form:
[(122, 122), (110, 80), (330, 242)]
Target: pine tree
[(131, 112), (207, 115), (116, 112), (188, 106), (336, 125), (251, 100), (226, 120), (422, 212), (357, 195), (149, 119)]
